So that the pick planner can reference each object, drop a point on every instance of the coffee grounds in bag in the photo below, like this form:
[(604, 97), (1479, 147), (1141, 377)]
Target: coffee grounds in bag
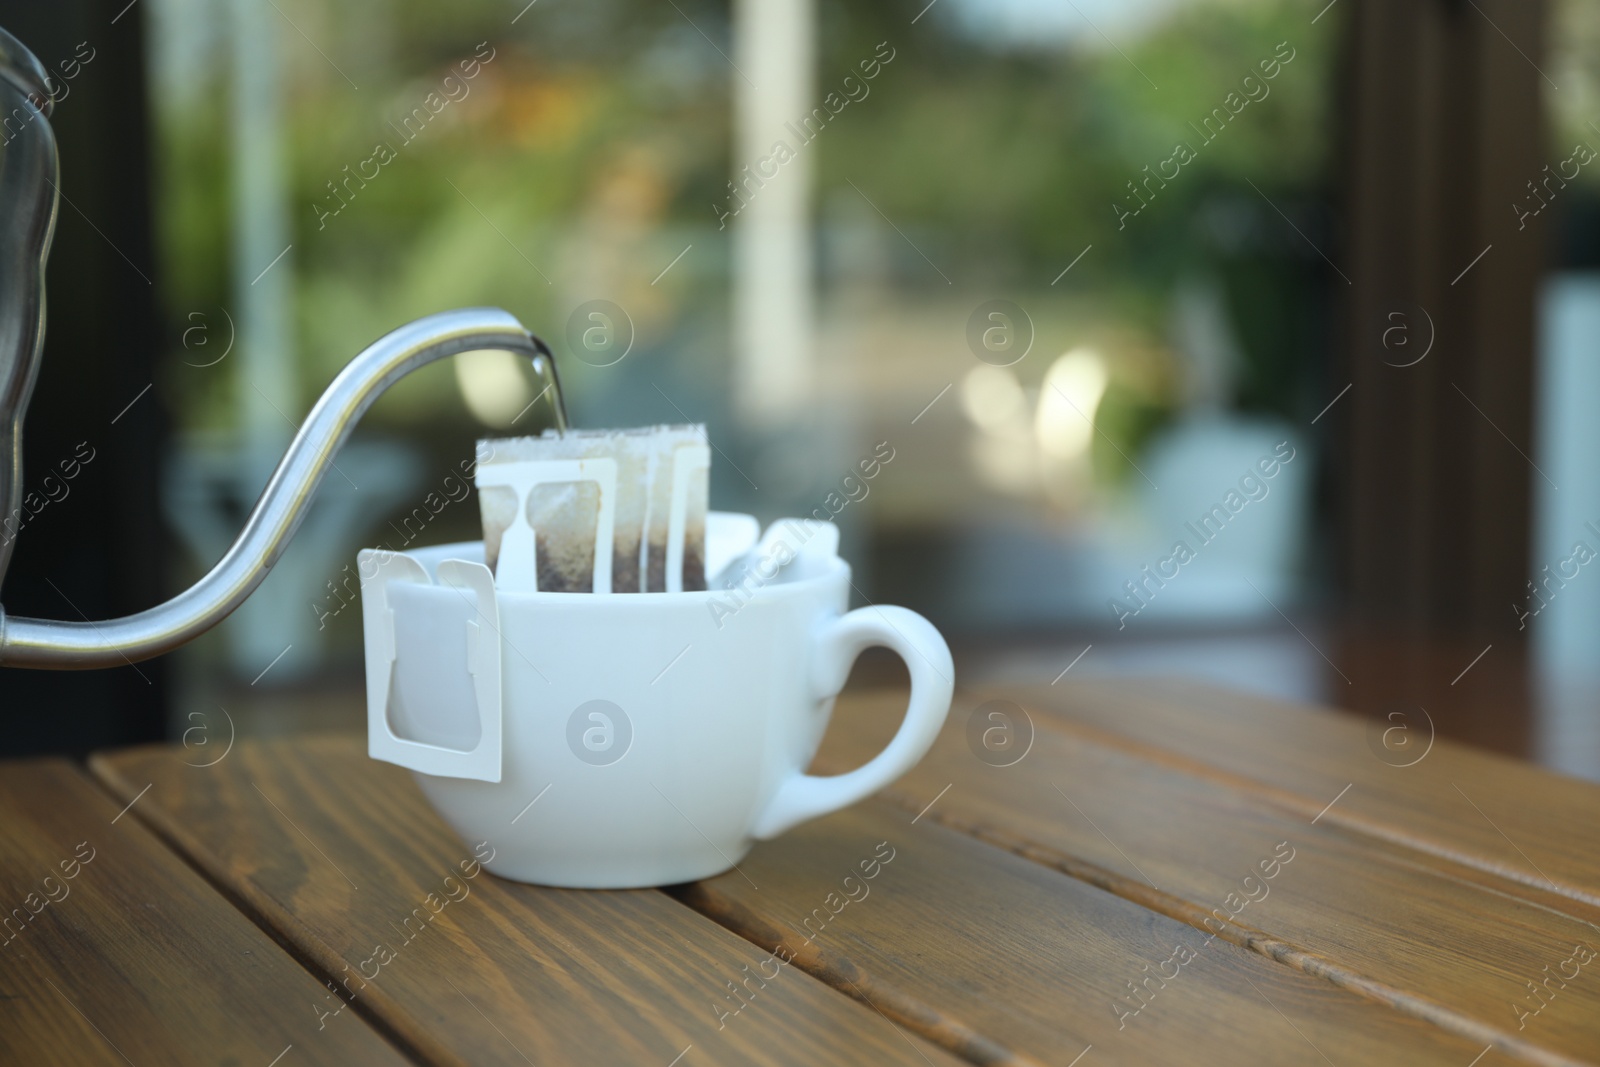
[(662, 489)]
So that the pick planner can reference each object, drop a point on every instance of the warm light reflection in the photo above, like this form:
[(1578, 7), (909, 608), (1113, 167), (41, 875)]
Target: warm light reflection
[(991, 396), (1068, 399), (493, 386)]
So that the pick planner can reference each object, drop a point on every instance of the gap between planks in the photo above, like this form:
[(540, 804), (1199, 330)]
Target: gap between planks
[(300, 944), (842, 976), (1298, 804), (837, 972), (305, 948), (1247, 937)]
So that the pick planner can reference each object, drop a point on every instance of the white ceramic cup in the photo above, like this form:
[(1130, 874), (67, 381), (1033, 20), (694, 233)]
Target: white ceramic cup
[(625, 740)]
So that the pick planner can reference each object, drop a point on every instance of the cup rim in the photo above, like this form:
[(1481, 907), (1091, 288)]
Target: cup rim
[(837, 568)]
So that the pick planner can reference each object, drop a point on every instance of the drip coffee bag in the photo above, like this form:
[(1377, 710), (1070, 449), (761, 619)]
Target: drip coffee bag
[(620, 511)]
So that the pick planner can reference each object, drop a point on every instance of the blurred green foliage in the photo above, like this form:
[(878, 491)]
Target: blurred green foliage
[(611, 121)]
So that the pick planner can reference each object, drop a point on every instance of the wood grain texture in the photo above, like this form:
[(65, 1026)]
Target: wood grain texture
[(955, 937), (115, 951), (1497, 814), (1442, 942), (339, 853)]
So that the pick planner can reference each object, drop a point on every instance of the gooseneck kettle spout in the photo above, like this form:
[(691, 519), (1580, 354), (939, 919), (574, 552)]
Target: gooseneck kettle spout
[(27, 214)]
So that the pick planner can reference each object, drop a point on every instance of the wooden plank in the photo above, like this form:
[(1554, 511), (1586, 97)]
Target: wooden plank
[(1437, 940), (338, 853), (1497, 814), (955, 937), (113, 950)]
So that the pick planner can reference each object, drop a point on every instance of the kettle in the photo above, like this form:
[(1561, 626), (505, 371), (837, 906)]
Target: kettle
[(28, 202)]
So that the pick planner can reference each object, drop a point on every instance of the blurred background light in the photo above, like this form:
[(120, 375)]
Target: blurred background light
[(991, 396), (494, 386), (1068, 400)]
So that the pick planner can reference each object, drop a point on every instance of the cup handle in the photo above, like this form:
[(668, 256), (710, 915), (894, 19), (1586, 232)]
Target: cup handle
[(927, 658)]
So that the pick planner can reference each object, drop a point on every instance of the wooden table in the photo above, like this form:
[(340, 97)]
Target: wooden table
[(1149, 873)]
